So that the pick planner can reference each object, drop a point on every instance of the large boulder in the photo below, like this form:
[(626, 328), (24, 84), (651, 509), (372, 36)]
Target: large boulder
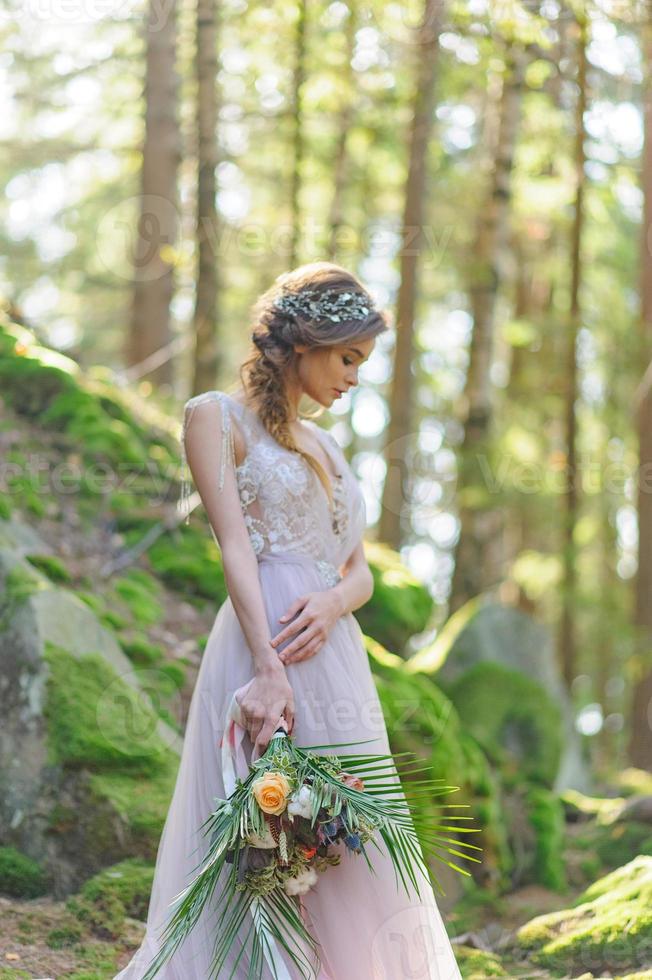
[(87, 767), (485, 632)]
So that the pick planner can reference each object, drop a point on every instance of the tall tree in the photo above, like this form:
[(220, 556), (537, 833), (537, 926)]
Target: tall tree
[(298, 79), (640, 743), (567, 645), (479, 518), (206, 363), (344, 120), (413, 240), (150, 328)]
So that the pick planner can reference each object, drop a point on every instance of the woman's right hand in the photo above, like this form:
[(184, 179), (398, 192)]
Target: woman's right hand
[(267, 696)]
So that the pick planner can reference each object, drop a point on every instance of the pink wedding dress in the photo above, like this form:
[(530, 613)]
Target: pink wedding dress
[(366, 925)]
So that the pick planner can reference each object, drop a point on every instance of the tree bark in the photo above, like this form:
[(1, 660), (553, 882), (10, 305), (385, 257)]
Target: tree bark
[(206, 364), (401, 394), (567, 651), (298, 135), (153, 286), (640, 742), (479, 517)]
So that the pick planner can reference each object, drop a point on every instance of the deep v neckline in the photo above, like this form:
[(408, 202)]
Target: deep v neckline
[(334, 477)]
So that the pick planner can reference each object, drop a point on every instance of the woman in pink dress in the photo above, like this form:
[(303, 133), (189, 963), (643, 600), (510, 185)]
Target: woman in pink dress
[(288, 516)]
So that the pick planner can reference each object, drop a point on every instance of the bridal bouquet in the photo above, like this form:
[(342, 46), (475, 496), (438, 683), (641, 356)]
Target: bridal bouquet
[(283, 825)]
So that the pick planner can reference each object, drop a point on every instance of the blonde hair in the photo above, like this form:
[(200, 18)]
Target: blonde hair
[(275, 333)]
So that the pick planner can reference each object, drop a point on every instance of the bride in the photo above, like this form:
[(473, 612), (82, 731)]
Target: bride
[(288, 515)]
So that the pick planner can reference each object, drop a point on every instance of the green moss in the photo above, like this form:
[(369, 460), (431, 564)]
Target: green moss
[(513, 718), (20, 876), (140, 651), (6, 506), (189, 561), (142, 804), (96, 719), (475, 964), (609, 928), (51, 566), (64, 936), (140, 592), (546, 815), (400, 606), (129, 881)]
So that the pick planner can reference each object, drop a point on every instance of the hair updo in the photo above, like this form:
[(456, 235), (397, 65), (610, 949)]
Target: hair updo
[(275, 333)]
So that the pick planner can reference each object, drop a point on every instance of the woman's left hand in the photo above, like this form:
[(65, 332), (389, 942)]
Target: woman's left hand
[(319, 611)]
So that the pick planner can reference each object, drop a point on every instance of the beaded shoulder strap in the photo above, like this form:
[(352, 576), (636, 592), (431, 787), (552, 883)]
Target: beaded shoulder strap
[(228, 449)]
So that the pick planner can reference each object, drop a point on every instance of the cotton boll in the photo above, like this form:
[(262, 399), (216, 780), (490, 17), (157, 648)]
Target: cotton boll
[(300, 803), (301, 883)]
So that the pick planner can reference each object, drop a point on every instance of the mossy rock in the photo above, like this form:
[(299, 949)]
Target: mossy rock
[(400, 606), (514, 720), (546, 815), (96, 719), (20, 876), (608, 928), (118, 891), (476, 964), (421, 720)]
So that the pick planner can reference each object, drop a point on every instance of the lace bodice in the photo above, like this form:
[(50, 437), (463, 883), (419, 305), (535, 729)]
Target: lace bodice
[(284, 504)]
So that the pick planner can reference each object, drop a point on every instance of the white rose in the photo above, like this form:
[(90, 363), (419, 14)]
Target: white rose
[(301, 883), (300, 803)]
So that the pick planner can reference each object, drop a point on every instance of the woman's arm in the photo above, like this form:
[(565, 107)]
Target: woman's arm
[(203, 452), (357, 584), (203, 449)]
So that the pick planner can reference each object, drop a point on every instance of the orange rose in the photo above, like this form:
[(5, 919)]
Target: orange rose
[(271, 791), (308, 852)]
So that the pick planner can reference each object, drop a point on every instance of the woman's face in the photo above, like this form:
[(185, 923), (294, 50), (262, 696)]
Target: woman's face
[(324, 373)]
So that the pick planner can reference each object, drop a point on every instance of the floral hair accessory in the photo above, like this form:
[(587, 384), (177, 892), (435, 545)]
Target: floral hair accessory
[(325, 304)]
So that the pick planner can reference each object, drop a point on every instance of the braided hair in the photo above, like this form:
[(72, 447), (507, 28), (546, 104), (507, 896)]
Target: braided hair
[(276, 331)]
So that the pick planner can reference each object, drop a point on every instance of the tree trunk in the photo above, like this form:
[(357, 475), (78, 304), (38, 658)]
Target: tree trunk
[(567, 652), (298, 135), (344, 120), (400, 399), (207, 356), (479, 517), (640, 743), (150, 328)]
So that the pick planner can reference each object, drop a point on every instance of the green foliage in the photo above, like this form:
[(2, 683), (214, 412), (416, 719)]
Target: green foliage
[(514, 720), (400, 606), (20, 876)]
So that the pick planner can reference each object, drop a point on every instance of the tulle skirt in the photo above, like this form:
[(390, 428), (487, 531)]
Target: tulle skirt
[(366, 925)]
